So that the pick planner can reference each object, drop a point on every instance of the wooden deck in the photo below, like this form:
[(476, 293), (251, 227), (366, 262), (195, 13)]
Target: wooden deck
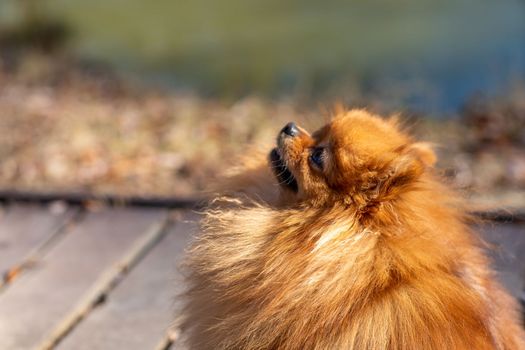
[(108, 278)]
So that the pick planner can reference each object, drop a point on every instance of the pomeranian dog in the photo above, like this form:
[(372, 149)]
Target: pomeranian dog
[(363, 248)]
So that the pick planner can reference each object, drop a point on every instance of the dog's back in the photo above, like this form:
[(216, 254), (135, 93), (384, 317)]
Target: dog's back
[(389, 268)]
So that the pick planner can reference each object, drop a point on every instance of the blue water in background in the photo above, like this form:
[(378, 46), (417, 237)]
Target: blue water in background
[(491, 71), (426, 55)]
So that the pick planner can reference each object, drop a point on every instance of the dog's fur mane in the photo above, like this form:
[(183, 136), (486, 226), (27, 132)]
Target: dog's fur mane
[(400, 271)]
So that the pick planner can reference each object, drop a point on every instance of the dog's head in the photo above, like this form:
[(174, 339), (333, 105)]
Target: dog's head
[(357, 158)]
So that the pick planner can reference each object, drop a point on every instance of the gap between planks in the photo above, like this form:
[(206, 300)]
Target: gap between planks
[(35, 255), (171, 341), (108, 280)]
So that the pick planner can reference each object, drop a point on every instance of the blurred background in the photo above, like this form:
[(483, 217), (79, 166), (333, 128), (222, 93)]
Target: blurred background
[(157, 97)]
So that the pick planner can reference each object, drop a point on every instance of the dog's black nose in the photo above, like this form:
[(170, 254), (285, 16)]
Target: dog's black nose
[(290, 129)]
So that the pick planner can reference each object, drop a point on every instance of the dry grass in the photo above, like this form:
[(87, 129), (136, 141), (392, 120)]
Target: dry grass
[(93, 133), (85, 130)]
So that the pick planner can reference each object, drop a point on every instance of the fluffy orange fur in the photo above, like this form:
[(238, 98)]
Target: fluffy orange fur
[(361, 246)]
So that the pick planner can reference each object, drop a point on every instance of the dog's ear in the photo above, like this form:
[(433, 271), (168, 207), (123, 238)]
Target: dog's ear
[(408, 164), (411, 163), (424, 152)]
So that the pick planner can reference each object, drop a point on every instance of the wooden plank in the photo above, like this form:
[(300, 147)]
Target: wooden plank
[(508, 242), (32, 308), (105, 283), (137, 314), (24, 230)]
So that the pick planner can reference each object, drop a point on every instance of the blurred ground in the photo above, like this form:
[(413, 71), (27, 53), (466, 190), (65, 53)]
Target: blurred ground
[(68, 126)]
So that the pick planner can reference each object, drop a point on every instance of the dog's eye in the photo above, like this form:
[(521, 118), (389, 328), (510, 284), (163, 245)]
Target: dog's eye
[(317, 157)]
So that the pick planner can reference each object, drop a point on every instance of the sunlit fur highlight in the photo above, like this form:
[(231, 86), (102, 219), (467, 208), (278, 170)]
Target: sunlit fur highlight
[(374, 254)]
